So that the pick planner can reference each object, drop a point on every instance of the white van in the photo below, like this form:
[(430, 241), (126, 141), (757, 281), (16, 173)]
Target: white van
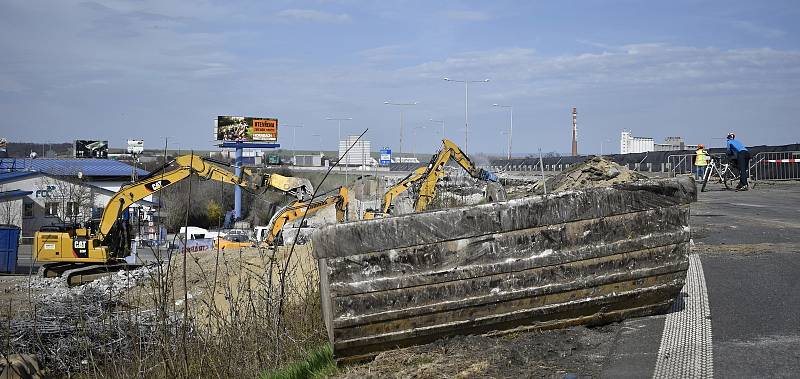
[(194, 232)]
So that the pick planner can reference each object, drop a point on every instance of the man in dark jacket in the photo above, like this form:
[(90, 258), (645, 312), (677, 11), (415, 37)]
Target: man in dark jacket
[(737, 152)]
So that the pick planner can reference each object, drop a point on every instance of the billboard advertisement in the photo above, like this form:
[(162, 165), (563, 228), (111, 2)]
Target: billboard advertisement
[(236, 128), (135, 146), (91, 149)]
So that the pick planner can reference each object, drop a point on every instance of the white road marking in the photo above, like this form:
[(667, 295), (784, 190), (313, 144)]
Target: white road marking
[(686, 349), (749, 205)]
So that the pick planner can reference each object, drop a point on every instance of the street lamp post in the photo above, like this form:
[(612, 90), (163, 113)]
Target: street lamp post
[(511, 127), (389, 102), (439, 122), (466, 106), (414, 137), (319, 141), (601, 146), (339, 136), (294, 136)]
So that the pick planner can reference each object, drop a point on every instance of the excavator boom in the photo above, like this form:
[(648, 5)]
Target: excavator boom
[(297, 209), (436, 171), (428, 176)]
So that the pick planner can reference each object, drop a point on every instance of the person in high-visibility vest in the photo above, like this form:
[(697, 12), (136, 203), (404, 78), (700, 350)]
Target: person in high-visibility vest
[(700, 161)]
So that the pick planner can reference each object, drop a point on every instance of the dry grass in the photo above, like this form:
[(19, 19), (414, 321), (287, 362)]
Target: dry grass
[(233, 314)]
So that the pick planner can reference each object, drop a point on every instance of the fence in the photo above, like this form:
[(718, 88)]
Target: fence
[(680, 164), (783, 165)]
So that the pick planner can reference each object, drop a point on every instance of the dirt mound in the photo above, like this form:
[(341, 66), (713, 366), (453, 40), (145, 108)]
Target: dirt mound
[(595, 172)]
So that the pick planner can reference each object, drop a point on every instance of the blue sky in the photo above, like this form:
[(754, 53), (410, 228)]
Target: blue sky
[(150, 69)]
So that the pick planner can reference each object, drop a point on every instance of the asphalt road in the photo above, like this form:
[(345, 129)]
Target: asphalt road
[(749, 246)]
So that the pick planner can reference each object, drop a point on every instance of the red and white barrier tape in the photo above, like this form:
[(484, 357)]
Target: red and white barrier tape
[(783, 160)]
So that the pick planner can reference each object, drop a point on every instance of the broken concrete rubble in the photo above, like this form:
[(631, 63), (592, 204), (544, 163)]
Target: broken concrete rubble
[(576, 257), (595, 172)]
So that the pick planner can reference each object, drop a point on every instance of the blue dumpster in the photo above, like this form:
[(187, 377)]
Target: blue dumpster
[(9, 245)]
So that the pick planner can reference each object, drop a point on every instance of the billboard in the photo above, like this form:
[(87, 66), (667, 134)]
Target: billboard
[(236, 128), (135, 146), (91, 149)]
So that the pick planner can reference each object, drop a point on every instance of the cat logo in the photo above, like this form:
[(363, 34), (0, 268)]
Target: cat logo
[(157, 185), (81, 247)]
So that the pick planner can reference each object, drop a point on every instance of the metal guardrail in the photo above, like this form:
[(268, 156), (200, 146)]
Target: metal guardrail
[(775, 165), (682, 164)]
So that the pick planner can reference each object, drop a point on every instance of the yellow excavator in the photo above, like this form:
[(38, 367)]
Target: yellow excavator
[(299, 208), (82, 253), (428, 176)]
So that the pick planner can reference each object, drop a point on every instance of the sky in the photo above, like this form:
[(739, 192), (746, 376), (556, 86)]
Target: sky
[(164, 69)]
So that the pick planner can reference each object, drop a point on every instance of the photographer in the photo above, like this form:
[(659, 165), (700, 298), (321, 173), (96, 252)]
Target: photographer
[(737, 152)]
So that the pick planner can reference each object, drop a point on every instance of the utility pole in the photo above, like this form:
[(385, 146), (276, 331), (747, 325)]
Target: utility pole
[(389, 102)]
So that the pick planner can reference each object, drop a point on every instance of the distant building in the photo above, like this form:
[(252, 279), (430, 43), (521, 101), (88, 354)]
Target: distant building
[(405, 160), (358, 154), (249, 157), (670, 144), (629, 144), (308, 160)]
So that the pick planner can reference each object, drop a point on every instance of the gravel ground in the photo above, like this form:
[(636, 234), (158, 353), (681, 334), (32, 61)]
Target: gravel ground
[(547, 354)]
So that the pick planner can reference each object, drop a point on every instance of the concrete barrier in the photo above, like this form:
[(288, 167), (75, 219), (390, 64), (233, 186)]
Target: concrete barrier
[(580, 257)]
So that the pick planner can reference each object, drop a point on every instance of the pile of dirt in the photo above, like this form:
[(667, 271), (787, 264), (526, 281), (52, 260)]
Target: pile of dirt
[(595, 172), (555, 353), (219, 284)]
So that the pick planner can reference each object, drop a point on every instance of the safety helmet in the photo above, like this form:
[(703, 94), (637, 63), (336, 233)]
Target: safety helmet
[(731, 135), (701, 146)]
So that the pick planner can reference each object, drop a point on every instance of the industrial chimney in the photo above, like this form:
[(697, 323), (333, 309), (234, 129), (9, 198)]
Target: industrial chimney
[(574, 132)]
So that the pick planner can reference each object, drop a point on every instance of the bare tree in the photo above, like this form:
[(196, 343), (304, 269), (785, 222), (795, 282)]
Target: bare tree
[(10, 212), (74, 200)]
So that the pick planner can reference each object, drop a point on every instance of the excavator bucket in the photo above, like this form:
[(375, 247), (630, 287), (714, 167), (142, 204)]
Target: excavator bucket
[(579, 257), (300, 187)]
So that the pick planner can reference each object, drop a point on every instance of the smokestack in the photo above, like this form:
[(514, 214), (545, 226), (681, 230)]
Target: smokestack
[(574, 132)]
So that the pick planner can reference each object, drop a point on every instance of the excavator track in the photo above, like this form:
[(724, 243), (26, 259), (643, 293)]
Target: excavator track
[(75, 274)]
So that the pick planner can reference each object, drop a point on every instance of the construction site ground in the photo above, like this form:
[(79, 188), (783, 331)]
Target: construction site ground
[(747, 243)]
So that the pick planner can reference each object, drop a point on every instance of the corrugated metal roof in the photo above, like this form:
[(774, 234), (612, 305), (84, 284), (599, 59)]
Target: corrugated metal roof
[(70, 167), (6, 176)]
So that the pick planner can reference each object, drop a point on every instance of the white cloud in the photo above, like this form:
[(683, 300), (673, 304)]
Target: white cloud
[(628, 66), (313, 15), (465, 15)]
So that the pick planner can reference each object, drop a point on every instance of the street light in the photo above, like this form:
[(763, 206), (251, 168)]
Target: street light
[(339, 135), (438, 122), (294, 134), (511, 128), (601, 146), (319, 141), (466, 106), (414, 137), (389, 102)]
